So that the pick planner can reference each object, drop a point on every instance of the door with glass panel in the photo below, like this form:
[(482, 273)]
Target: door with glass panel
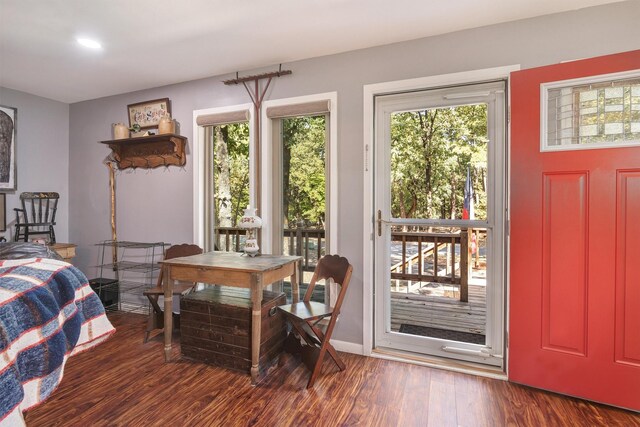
[(575, 228), (439, 207)]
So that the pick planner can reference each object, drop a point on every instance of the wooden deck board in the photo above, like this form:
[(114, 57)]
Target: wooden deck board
[(441, 312)]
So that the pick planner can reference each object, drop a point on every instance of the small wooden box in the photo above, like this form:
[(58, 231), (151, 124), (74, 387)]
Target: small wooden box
[(66, 251), (215, 327)]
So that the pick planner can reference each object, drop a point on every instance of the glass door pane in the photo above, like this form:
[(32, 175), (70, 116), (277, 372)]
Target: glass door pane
[(438, 171)]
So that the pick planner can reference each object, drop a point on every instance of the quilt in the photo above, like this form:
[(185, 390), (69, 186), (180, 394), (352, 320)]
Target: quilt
[(48, 312)]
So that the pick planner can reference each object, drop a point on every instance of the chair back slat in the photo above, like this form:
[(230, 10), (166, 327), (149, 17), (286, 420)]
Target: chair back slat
[(37, 216), (177, 251), (332, 267), (39, 207)]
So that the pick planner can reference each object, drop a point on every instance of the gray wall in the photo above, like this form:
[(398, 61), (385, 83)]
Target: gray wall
[(42, 144), (157, 205)]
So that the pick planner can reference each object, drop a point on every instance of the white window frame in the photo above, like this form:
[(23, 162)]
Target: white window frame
[(199, 168), (544, 99), (369, 93), (332, 168)]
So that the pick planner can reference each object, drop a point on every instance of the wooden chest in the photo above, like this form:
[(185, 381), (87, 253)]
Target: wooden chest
[(215, 327)]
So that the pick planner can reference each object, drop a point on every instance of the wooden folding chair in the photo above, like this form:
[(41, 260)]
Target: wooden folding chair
[(305, 316), (156, 315)]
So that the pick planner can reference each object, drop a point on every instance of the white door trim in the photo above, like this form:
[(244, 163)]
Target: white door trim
[(199, 165), (369, 93)]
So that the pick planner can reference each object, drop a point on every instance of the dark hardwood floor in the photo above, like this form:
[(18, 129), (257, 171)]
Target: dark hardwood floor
[(124, 382)]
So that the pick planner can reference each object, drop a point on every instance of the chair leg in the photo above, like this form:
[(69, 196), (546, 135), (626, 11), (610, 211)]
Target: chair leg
[(318, 367), (334, 355), (326, 347), (152, 322), (150, 325)]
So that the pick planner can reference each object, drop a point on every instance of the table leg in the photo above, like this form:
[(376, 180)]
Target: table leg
[(167, 283), (295, 285), (256, 326)]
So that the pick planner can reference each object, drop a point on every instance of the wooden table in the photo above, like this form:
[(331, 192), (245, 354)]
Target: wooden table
[(229, 269)]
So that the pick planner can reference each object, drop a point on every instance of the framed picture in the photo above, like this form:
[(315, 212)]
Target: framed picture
[(3, 212), (148, 114), (8, 132)]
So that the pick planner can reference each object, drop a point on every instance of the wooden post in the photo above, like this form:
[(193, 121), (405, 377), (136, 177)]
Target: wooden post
[(256, 323), (476, 258), (465, 264), (299, 242), (436, 244), (167, 283)]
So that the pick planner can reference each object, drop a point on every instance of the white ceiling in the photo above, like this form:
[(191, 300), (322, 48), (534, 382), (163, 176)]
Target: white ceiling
[(153, 43)]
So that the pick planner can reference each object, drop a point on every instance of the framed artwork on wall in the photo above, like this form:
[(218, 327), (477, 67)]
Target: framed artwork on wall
[(8, 132), (3, 212), (148, 114)]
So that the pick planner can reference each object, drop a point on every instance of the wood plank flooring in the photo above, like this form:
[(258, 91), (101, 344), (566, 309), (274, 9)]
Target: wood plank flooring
[(124, 382)]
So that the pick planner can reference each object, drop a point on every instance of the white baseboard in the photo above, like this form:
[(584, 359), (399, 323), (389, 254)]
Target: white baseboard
[(348, 347)]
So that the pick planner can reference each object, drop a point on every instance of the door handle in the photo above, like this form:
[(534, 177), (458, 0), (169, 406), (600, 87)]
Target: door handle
[(381, 221)]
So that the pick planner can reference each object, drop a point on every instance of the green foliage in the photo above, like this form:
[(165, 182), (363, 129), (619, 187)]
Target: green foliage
[(430, 153), (236, 137), (304, 170)]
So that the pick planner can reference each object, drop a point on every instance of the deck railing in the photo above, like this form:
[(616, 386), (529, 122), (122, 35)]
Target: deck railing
[(305, 242), (309, 243), (428, 258)]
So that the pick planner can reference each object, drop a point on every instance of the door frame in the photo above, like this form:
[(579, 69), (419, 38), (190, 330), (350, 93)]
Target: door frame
[(492, 94), (369, 93)]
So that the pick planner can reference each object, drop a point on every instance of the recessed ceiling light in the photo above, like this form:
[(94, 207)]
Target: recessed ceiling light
[(91, 44)]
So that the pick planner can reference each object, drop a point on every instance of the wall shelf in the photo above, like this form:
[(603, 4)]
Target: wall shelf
[(149, 151)]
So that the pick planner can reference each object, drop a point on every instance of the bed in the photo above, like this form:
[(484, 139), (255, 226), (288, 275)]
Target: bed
[(48, 312)]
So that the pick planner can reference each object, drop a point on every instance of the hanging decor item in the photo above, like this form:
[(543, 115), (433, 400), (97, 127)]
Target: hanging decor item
[(148, 114), (251, 222), (257, 96), (8, 131)]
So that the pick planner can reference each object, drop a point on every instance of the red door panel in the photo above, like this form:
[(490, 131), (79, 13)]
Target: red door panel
[(627, 332), (564, 262), (574, 252)]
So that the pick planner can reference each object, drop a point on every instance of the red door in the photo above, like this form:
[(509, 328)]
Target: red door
[(575, 253)]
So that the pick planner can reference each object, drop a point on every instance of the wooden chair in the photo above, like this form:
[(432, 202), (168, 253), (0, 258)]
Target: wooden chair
[(37, 216), (306, 315), (156, 315)]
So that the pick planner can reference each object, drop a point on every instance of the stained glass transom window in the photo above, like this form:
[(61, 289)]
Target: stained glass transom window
[(592, 114)]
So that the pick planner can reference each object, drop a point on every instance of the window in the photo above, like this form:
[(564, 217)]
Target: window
[(229, 154), (300, 181), (223, 175), (591, 113)]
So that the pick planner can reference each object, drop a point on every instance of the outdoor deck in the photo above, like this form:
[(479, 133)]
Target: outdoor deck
[(441, 312)]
